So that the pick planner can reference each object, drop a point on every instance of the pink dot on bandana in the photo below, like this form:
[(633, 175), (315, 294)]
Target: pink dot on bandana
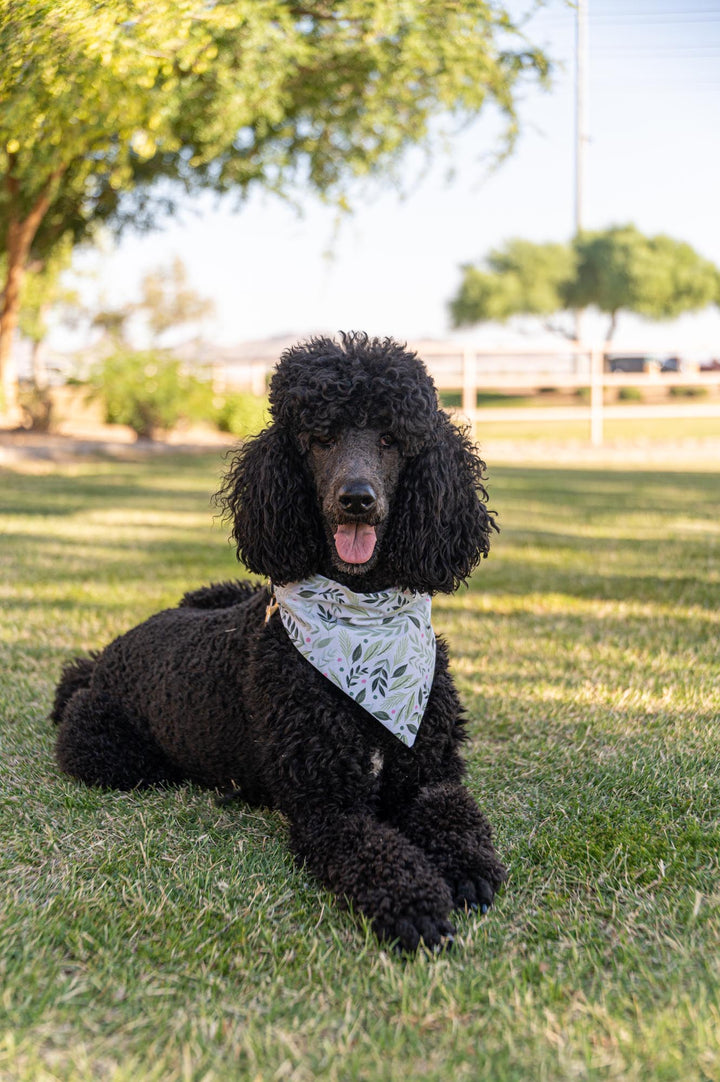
[(392, 711), (308, 639)]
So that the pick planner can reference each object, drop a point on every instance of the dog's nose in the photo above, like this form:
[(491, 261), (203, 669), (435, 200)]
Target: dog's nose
[(357, 498)]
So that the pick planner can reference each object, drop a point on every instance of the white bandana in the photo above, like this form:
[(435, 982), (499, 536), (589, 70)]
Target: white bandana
[(378, 648)]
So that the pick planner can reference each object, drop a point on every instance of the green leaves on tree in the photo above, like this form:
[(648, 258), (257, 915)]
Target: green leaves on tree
[(612, 270)]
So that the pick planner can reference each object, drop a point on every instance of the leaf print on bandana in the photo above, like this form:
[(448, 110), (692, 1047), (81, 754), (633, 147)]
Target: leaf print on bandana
[(377, 648)]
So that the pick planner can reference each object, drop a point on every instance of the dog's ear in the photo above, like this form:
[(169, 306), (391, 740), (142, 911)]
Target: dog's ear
[(269, 498), (440, 526)]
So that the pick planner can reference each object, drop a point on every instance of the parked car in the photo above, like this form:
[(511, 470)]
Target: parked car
[(645, 362), (632, 362)]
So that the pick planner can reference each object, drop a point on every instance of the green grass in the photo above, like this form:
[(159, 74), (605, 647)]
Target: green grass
[(495, 399), (158, 936), (649, 431)]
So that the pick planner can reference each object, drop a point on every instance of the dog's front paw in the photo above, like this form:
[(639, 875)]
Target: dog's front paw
[(407, 933), (472, 894), (477, 890)]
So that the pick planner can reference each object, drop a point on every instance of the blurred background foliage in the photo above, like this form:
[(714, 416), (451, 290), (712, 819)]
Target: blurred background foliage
[(112, 112), (613, 270)]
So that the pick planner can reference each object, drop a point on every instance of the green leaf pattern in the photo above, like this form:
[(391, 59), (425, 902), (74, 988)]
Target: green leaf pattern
[(378, 648)]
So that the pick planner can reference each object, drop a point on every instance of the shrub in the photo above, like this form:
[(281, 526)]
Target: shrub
[(240, 413), (150, 392), (688, 392), (450, 400), (630, 394)]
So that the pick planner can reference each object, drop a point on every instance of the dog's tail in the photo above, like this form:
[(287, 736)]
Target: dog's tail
[(221, 595), (76, 674)]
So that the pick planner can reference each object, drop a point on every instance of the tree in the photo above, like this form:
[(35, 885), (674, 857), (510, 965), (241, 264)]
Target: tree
[(44, 290), (522, 278), (657, 277), (112, 323), (613, 269), (168, 302), (102, 102)]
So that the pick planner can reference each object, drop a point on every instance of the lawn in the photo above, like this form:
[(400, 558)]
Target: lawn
[(651, 434), (158, 936)]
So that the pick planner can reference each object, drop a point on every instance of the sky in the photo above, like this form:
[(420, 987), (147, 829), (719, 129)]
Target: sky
[(390, 268)]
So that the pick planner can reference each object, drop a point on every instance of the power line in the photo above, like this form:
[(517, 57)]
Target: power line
[(648, 52), (659, 17)]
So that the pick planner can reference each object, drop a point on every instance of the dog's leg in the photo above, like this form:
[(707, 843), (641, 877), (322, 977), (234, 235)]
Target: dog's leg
[(377, 869), (99, 745), (446, 824)]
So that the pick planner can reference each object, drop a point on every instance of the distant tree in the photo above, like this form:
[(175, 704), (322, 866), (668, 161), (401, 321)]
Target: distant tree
[(102, 102), (657, 277), (521, 279), (112, 323), (44, 291), (168, 301), (612, 270)]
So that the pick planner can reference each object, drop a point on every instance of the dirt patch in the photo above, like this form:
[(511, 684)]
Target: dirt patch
[(103, 441)]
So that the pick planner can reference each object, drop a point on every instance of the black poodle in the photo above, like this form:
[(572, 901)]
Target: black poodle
[(359, 501)]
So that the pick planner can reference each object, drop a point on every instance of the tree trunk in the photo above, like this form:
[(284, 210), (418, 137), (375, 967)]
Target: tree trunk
[(37, 404), (39, 368), (612, 327), (17, 255), (21, 233)]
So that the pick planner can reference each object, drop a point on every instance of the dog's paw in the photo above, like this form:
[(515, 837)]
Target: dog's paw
[(407, 934), (475, 888), (473, 893)]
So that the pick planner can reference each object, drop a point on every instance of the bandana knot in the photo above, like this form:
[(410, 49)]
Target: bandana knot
[(378, 648)]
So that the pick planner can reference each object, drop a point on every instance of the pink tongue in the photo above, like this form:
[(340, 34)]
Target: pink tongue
[(355, 542)]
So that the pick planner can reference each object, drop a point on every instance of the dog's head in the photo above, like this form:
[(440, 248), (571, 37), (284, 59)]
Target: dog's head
[(360, 476)]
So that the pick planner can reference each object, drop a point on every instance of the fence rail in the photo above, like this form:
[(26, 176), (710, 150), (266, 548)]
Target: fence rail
[(565, 367)]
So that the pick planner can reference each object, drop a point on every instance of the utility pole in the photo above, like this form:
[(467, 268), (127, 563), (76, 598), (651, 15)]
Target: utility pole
[(581, 133), (581, 142)]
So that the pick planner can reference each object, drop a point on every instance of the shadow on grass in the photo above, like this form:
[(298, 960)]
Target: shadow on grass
[(669, 584), (181, 483), (611, 491)]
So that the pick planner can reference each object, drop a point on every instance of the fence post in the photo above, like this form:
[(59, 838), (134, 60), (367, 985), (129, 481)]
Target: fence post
[(469, 387), (596, 396), (259, 378)]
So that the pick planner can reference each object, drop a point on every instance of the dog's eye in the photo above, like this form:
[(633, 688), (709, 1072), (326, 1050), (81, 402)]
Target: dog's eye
[(387, 440), (323, 441)]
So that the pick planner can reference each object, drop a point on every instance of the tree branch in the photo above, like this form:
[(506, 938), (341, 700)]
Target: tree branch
[(556, 328)]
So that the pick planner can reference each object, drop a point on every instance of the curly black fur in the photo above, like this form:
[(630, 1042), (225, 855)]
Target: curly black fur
[(439, 527), (214, 691)]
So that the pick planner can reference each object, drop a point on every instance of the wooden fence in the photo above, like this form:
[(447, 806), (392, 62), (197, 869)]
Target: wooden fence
[(566, 367)]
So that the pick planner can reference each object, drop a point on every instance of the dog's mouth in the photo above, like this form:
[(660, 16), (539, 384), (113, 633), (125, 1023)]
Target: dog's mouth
[(355, 542)]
